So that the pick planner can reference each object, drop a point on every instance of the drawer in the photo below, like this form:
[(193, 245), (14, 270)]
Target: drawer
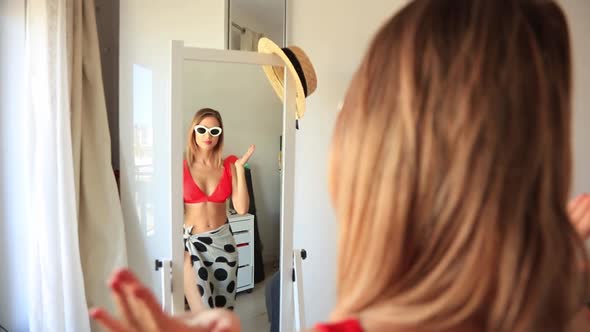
[(245, 254), (242, 238), (241, 226), (244, 276)]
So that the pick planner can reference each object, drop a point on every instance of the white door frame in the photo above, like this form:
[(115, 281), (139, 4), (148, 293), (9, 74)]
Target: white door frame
[(180, 53)]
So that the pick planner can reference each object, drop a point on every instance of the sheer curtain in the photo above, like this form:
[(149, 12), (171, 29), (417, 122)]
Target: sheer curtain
[(75, 218)]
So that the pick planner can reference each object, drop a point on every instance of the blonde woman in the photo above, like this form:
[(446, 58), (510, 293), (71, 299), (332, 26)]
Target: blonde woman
[(450, 169), (211, 257)]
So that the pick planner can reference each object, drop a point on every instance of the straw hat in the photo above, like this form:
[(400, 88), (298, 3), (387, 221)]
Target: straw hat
[(298, 64)]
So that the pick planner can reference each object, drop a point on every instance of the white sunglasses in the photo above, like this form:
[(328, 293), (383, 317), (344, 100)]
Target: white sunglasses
[(202, 130)]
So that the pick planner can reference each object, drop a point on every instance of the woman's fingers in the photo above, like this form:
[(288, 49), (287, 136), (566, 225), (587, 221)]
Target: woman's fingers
[(122, 301), (223, 325), (149, 310), (248, 154), (574, 202), (577, 208), (127, 276), (218, 320), (136, 304), (584, 223), (142, 312), (579, 212), (107, 321)]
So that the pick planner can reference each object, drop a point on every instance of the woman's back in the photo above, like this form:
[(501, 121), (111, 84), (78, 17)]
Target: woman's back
[(455, 197)]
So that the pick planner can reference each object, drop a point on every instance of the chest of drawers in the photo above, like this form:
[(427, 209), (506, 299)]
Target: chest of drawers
[(243, 228)]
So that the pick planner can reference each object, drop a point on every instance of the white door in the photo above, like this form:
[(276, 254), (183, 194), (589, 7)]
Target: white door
[(145, 173), (151, 142), (179, 56)]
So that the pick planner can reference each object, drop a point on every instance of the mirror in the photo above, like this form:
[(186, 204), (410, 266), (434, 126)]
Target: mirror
[(231, 212), (251, 19)]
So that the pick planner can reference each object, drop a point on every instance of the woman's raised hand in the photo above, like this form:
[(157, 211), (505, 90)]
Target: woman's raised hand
[(242, 161), (140, 311)]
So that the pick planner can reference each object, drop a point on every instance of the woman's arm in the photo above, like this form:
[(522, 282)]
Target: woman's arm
[(240, 197)]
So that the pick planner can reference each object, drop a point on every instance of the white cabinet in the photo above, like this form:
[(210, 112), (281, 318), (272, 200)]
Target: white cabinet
[(243, 228)]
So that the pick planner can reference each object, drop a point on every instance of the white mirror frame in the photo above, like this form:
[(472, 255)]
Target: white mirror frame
[(179, 54)]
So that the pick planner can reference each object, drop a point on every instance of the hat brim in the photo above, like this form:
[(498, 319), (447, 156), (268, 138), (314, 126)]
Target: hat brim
[(266, 45)]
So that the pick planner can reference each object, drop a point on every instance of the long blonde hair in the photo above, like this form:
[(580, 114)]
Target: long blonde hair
[(192, 150), (450, 170)]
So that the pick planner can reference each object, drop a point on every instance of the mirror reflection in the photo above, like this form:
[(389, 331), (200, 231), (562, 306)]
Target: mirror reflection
[(231, 187), (249, 20)]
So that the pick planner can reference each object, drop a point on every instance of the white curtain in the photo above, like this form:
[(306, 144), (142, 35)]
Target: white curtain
[(76, 221)]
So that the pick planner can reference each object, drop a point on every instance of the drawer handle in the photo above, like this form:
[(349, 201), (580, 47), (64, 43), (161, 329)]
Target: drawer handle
[(240, 232), (243, 244)]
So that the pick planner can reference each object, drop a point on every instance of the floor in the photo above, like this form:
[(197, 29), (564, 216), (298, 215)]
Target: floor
[(251, 308)]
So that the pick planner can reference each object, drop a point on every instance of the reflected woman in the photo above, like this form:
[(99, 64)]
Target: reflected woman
[(211, 257)]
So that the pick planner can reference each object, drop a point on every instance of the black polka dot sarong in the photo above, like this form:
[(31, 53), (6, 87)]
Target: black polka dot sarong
[(214, 259)]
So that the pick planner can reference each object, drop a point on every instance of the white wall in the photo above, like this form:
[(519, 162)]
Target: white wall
[(252, 114), (146, 29), (336, 43), (578, 14), (13, 221)]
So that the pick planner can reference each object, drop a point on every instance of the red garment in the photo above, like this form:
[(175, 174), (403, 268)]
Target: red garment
[(193, 194), (349, 325)]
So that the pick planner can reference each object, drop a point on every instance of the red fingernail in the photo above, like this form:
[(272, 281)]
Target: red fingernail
[(128, 277), (123, 274), (119, 278), (117, 286), (95, 312), (113, 280), (138, 291)]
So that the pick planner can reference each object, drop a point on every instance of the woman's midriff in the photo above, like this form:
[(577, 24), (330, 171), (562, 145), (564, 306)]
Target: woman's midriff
[(205, 216)]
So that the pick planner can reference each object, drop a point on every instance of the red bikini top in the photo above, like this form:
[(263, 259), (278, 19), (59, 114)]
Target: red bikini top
[(193, 194), (349, 325)]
